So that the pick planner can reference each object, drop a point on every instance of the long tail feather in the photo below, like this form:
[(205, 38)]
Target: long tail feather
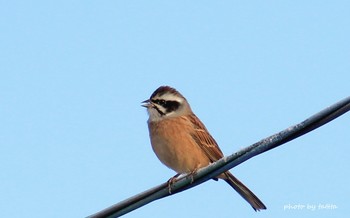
[(248, 195)]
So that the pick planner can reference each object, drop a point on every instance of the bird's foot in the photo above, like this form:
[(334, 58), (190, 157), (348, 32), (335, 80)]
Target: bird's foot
[(171, 181)]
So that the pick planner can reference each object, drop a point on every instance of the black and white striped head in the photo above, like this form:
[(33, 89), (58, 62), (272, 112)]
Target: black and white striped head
[(166, 102)]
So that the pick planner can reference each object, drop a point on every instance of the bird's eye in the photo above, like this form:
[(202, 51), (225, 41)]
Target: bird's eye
[(168, 105), (160, 102)]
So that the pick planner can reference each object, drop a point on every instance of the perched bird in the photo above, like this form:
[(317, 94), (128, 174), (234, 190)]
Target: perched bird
[(182, 142)]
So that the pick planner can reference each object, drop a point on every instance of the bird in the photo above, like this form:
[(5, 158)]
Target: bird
[(182, 142)]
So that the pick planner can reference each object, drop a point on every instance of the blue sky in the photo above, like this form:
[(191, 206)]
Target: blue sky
[(74, 138)]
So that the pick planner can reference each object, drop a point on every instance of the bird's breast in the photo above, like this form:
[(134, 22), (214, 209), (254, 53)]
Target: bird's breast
[(174, 146)]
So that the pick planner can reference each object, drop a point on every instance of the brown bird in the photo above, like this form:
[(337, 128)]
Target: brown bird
[(181, 141)]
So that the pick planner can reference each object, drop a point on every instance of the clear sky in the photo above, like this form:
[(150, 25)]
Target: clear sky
[(74, 139)]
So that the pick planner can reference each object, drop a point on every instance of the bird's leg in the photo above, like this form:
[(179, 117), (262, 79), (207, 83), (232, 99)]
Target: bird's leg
[(192, 173), (171, 181)]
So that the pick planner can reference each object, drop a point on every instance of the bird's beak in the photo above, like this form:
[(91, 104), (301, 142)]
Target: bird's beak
[(146, 103)]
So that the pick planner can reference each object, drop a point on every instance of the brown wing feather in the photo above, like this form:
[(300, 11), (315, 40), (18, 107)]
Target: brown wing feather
[(208, 144), (203, 138)]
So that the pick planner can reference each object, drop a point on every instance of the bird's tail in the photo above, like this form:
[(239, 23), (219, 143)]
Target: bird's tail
[(248, 195)]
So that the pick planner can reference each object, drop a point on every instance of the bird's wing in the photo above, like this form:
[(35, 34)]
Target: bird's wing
[(204, 140)]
